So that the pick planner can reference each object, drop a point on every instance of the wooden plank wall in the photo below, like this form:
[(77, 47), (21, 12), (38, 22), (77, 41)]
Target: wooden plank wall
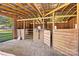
[(65, 41), (61, 25), (71, 23), (47, 37)]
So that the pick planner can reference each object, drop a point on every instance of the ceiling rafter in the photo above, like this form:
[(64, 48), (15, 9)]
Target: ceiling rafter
[(38, 15), (64, 9), (56, 9), (31, 13), (25, 12), (7, 14), (20, 10), (14, 8), (8, 9), (3, 10), (30, 5), (58, 4), (70, 10), (70, 17), (38, 9)]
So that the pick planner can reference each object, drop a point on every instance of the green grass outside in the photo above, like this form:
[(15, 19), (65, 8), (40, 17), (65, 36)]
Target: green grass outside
[(5, 35)]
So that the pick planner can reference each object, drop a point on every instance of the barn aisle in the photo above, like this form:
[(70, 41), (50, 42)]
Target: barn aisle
[(26, 48)]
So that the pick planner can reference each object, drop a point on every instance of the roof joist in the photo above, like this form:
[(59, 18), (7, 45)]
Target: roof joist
[(57, 9), (10, 10), (30, 12), (38, 9)]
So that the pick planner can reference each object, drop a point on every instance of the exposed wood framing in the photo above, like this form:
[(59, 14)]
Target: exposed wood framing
[(53, 20), (20, 5), (7, 14), (47, 17), (70, 9), (64, 9), (78, 15), (70, 17), (57, 9), (15, 28), (10, 10), (24, 23), (38, 9), (78, 24)]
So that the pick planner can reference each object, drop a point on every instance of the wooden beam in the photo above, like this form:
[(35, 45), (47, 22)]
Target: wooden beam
[(52, 29), (53, 20), (73, 13), (10, 10), (60, 16), (16, 8), (29, 4), (64, 9), (24, 23), (57, 9), (38, 9), (15, 28), (78, 15), (58, 4), (9, 14), (78, 25), (70, 9), (65, 16), (20, 5)]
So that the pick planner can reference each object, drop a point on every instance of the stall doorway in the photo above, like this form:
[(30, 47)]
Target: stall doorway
[(29, 31)]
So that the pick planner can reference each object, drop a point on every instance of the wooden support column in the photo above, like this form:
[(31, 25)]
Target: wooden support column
[(33, 28), (78, 24), (33, 24), (53, 19), (43, 24), (15, 28), (43, 31), (78, 15), (24, 28)]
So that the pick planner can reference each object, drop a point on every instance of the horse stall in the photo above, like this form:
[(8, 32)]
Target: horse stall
[(65, 38), (24, 30)]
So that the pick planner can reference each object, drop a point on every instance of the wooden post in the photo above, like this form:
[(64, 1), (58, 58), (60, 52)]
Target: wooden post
[(24, 28), (78, 24), (15, 28), (33, 24), (53, 18), (43, 30), (43, 24), (33, 29)]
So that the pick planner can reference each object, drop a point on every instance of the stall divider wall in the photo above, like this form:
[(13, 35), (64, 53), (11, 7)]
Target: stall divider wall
[(65, 41)]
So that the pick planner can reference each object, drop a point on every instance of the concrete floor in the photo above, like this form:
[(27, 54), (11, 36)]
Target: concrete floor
[(27, 48)]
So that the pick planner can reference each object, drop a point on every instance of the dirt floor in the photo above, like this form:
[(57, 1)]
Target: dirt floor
[(27, 48)]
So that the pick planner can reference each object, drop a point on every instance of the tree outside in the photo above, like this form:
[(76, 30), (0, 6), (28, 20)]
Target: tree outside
[(5, 28)]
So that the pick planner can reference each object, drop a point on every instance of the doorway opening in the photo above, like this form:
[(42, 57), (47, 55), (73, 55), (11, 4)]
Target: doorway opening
[(5, 28)]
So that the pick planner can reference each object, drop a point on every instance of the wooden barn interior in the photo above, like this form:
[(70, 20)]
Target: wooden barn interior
[(54, 24)]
